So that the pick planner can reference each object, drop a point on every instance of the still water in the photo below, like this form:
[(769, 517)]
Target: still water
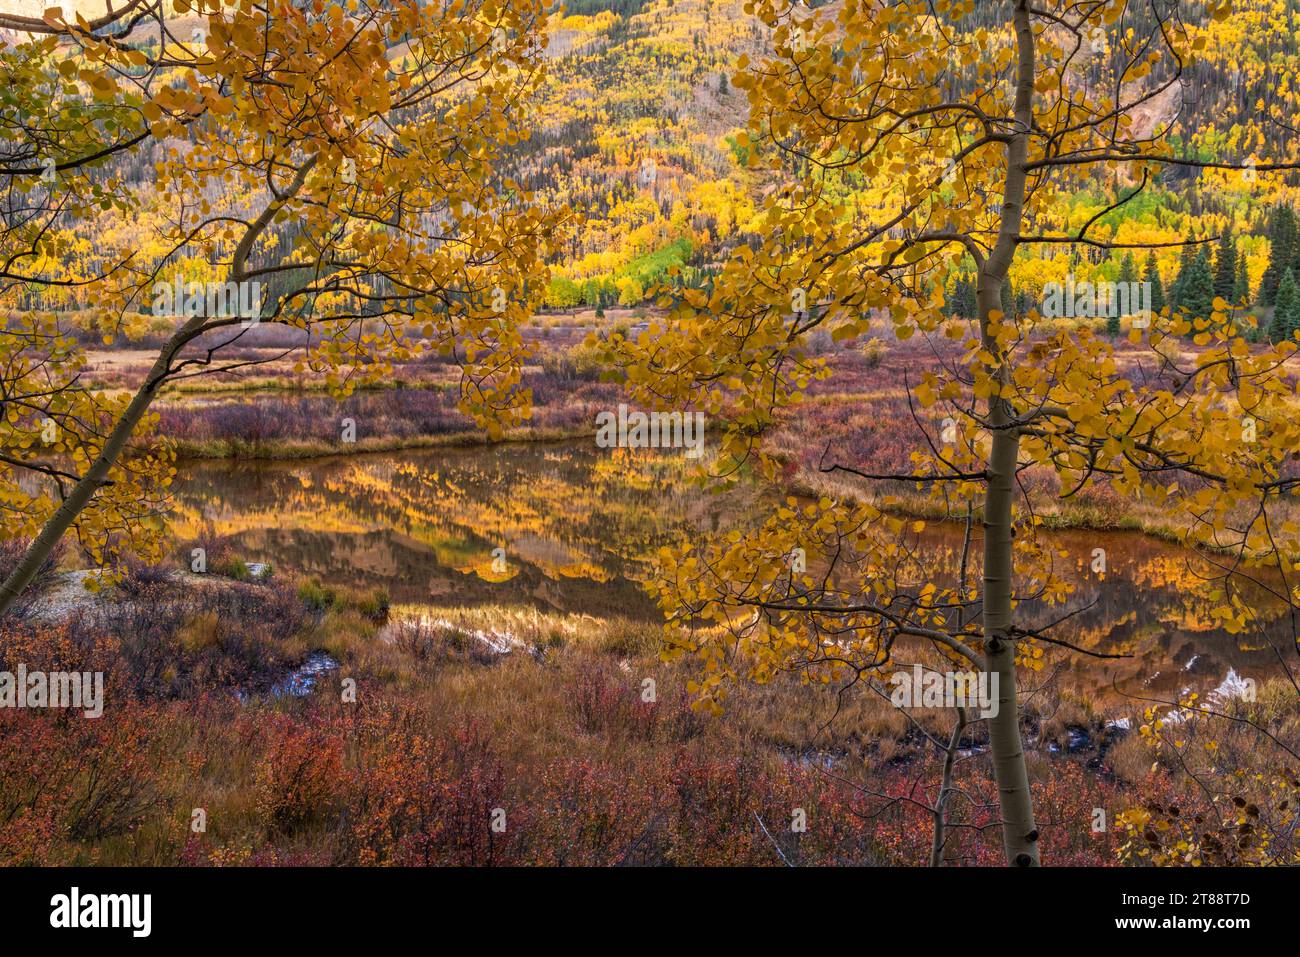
[(571, 528)]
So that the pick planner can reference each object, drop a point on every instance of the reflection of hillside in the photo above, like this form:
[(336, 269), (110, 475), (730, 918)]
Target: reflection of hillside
[(1154, 605), (579, 525), (571, 520)]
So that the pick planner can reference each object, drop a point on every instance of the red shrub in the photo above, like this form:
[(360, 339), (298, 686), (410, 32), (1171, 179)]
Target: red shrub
[(299, 777)]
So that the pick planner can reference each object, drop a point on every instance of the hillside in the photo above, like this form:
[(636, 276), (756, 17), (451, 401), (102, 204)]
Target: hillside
[(634, 131)]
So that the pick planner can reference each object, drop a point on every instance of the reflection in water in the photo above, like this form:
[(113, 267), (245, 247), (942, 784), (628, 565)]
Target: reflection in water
[(577, 526), (1153, 604)]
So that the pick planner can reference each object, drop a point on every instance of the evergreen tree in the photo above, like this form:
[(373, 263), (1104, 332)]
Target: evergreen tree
[(1152, 276), (1112, 323), (1127, 269), (1185, 262), (1225, 266), (1197, 297), (962, 302), (1241, 286), (1128, 280), (1286, 314), (1281, 237), (1007, 298)]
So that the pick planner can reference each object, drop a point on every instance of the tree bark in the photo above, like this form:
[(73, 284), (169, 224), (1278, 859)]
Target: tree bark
[(945, 791), (1019, 833)]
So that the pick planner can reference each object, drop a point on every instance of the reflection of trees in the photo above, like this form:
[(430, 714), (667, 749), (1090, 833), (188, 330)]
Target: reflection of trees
[(578, 526), (1154, 604), (564, 514)]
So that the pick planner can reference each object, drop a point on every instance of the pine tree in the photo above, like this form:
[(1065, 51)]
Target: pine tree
[(1152, 276), (1112, 323), (1127, 280), (1185, 263), (1127, 269), (1225, 266), (1286, 314), (962, 300), (1241, 286), (1282, 243), (1197, 297)]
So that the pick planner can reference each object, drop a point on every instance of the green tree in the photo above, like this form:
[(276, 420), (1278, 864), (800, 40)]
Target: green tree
[(961, 301), (1241, 286), (1196, 297), (1286, 311), (1281, 252), (1127, 279), (1186, 263), (1127, 269), (1152, 276)]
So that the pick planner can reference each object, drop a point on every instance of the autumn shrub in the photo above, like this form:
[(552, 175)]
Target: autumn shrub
[(898, 802), (201, 633), (315, 595), (402, 784), (419, 637), (427, 639), (67, 780), (610, 704), (60, 646), (219, 555), (252, 421), (1231, 783), (140, 580), (178, 639), (626, 636), (562, 750), (373, 605), (1220, 818), (584, 814), (580, 362), (298, 780), (421, 798), (740, 810), (565, 399)]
